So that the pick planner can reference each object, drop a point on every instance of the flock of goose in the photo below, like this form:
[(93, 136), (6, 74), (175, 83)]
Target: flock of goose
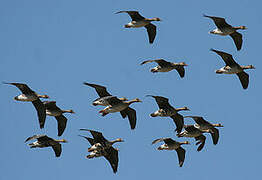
[(100, 146)]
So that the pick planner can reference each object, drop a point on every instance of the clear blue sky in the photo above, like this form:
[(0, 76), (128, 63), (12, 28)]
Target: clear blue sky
[(56, 45)]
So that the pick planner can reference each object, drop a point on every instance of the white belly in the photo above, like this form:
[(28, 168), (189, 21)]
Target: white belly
[(27, 98), (223, 32), (117, 108), (229, 70), (137, 24)]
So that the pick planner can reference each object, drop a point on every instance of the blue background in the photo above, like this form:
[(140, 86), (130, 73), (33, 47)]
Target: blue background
[(56, 45)]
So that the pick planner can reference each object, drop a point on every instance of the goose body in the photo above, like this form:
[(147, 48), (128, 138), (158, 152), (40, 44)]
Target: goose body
[(30, 96), (233, 68), (207, 127), (193, 132), (166, 110), (165, 66), (45, 141), (103, 148), (53, 110), (116, 105), (139, 21), (171, 144), (224, 29)]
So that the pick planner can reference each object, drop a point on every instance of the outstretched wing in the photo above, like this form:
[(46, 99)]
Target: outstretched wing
[(244, 79), (162, 102), (135, 16), (228, 59), (181, 153), (101, 90), (41, 112), (151, 31), (61, 124), (22, 87), (57, 148), (219, 22), (237, 38), (112, 156), (131, 114), (179, 121), (39, 137)]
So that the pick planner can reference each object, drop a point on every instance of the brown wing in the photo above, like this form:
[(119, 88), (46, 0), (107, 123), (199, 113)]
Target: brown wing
[(112, 156), (162, 102), (237, 37), (40, 137), (40, 108), (22, 87), (228, 59), (61, 124), (181, 153), (198, 119), (215, 135), (98, 136), (57, 149), (201, 139), (135, 16), (131, 114), (101, 90), (179, 121), (90, 140), (219, 22), (151, 31), (160, 62), (244, 79), (181, 71)]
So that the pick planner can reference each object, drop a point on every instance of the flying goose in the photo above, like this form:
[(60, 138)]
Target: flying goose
[(165, 66), (225, 29), (110, 153), (45, 141), (101, 141), (171, 144), (117, 105), (53, 110), (30, 96), (166, 110), (191, 131), (205, 126), (104, 96), (233, 68), (140, 21)]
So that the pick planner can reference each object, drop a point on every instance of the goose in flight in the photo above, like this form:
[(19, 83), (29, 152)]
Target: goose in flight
[(28, 95), (233, 68), (224, 29), (140, 21)]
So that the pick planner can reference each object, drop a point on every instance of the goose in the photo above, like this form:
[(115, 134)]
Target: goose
[(101, 141), (166, 110), (139, 21), (104, 96), (30, 96), (45, 141), (233, 68), (171, 144), (110, 153), (53, 110), (191, 131), (205, 126), (165, 66), (117, 105), (225, 29)]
